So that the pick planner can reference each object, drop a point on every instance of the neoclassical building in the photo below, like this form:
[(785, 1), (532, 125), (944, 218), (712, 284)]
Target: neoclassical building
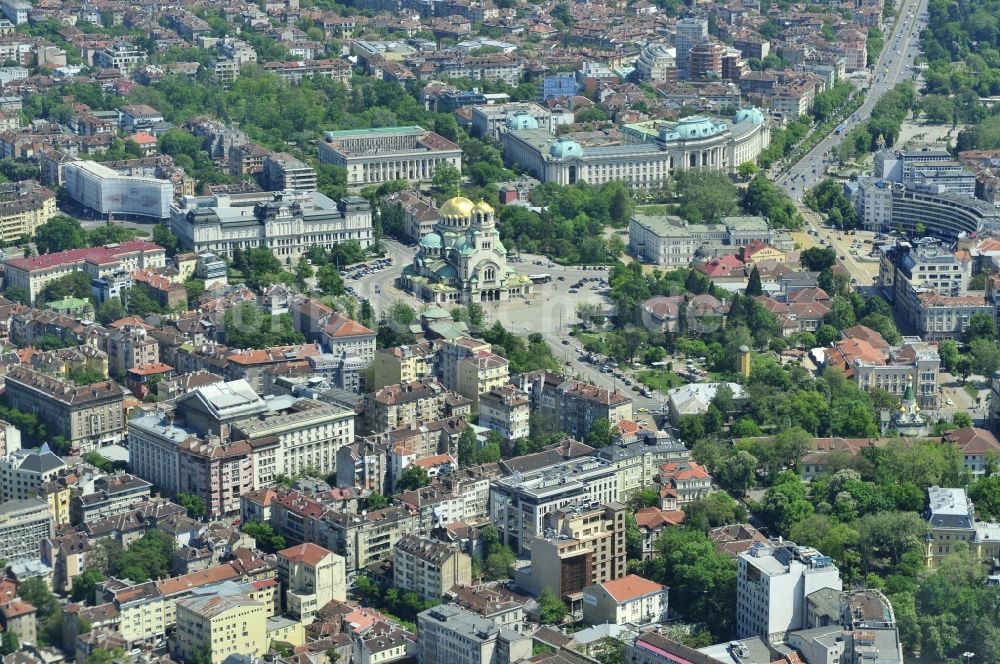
[(463, 260), (654, 151)]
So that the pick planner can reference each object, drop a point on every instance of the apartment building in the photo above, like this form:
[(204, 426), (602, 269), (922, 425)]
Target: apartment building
[(341, 335), (222, 627), (573, 405), (506, 410), (24, 526), (111, 495), (131, 346), (23, 472), (311, 577), (223, 440), (281, 171), (403, 364), (24, 206), (372, 156), (123, 56), (449, 634), (86, 416), (582, 544), (430, 568), (32, 274), (637, 454), (398, 406), (363, 539), (520, 502), (773, 582), (308, 433), (628, 600)]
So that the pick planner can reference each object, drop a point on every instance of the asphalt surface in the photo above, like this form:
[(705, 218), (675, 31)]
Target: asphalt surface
[(893, 67)]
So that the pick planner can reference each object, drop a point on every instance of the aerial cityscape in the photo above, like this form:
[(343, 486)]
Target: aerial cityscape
[(500, 332)]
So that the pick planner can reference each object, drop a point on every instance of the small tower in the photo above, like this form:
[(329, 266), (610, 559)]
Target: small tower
[(744, 356), (880, 142)]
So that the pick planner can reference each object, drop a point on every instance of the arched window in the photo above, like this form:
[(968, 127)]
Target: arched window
[(490, 273)]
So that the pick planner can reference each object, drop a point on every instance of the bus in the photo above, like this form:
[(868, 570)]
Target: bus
[(839, 130), (540, 278)]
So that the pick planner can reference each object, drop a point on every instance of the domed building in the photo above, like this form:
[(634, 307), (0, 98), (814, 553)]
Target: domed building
[(651, 153), (462, 260)]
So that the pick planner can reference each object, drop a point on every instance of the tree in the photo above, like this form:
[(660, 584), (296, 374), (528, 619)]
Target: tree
[(715, 509), (9, 644), (467, 445), (447, 179), (754, 286), (889, 535), (263, 533), (303, 271), (84, 585), (59, 234), (816, 259), (329, 281), (551, 609), (961, 419), (374, 501), (413, 478), (110, 311), (35, 592), (747, 170), (475, 314), (737, 471), (163, 236), (702, 580), (195, 505), (985, 355), (948, 351), (981, 326), (600, 433)]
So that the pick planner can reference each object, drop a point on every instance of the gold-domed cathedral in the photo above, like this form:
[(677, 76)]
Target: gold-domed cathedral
[(462, 260)]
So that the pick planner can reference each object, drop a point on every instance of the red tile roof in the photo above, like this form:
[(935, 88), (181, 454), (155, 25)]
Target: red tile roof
[(98, 255), (630, 587), (308, 553)]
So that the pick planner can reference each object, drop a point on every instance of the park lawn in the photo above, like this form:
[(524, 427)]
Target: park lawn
[(659, 379), (971, 390), (651, 209)]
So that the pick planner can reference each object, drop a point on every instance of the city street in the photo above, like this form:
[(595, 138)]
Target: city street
[(892, 68)]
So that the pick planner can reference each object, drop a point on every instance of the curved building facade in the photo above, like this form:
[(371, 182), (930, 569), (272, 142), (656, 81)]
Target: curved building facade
[(884, 206), (656, 149), (105, 191), (658, 63), (463, 260)]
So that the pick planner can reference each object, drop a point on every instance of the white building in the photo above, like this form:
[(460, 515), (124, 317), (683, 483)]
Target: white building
[(106, 192), (23, 471), (519, 503), (506, 410), (449, 634), (690, 31), (384, 154), (287, 223), (630, 599), (656, 150), (772, 585), (657, 63)]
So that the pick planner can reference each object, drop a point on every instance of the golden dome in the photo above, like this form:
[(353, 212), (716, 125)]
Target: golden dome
[(459, 206), (484, 207)]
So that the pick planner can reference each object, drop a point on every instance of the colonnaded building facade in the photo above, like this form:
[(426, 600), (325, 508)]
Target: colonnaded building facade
[(287, 223), (463, 260), (650, 153)]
